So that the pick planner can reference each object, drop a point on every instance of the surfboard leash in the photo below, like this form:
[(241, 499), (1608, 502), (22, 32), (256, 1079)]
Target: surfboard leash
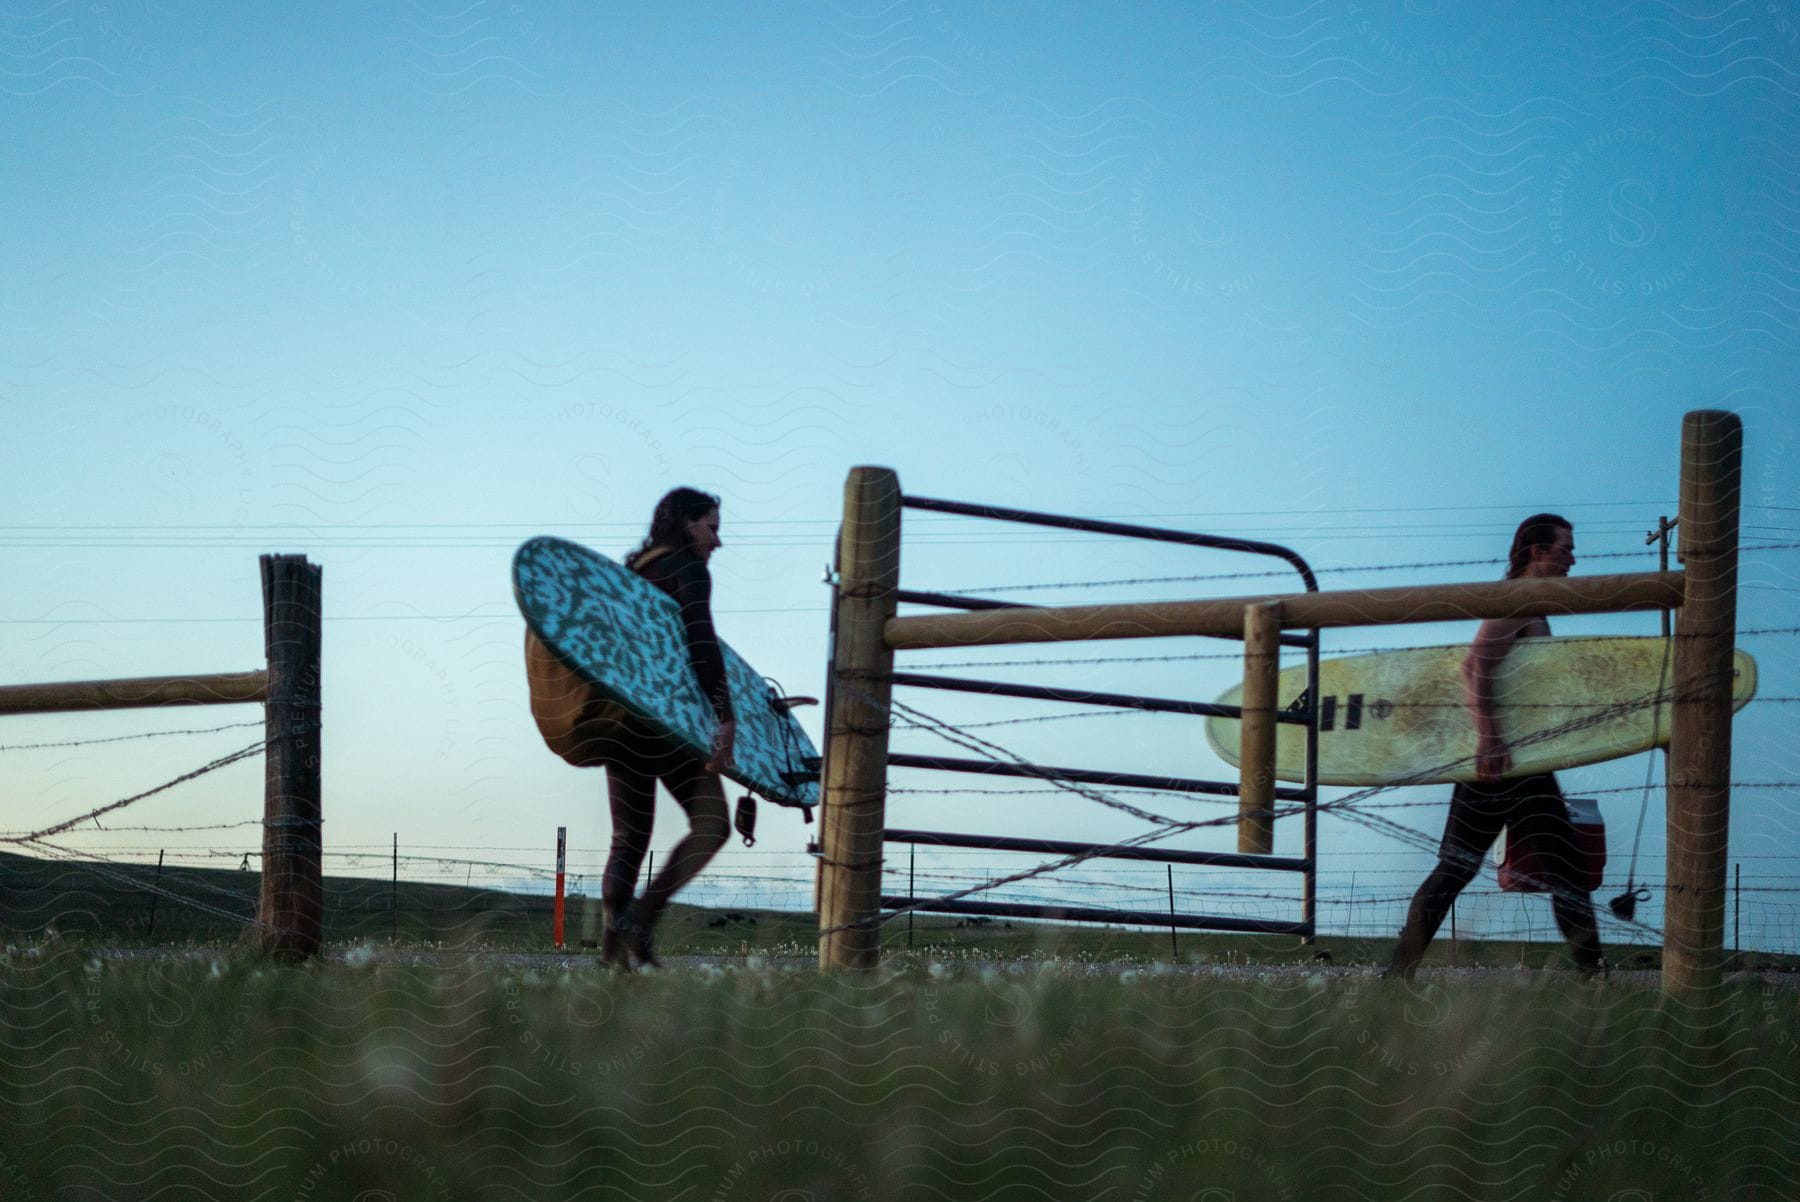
[(744, 817), (1624, 906)]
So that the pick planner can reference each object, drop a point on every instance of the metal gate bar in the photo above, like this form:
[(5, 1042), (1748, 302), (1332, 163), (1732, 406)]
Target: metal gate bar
[(1063, 847), (1164, 705), (1144, 918), (1086, 776), (1306, 715), (1123, 529)]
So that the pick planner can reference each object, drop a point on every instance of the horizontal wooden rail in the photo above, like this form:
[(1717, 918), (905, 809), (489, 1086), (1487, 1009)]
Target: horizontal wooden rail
[(1224, 617), (221, 688)]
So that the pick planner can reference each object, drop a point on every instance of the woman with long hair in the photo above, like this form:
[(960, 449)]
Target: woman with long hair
[(684, 532)]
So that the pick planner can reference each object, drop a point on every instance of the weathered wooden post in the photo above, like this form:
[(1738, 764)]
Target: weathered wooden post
[(1256, 743), (854, 797), (1699, 789), (291, 912)]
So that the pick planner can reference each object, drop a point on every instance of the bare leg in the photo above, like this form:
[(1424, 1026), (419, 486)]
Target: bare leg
[(1429, 906), (699, 793), (1470, 829), (1575, 919), (631, 793)]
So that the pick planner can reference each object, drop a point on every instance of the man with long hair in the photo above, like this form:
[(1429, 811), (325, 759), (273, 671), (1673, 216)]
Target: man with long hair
[(1530, 808)]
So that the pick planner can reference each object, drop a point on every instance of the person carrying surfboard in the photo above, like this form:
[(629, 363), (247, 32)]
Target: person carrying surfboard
[(684, 533), (1530, 808)]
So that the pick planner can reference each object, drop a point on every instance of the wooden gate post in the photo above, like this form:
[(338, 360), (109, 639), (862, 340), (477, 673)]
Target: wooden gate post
[(854, 773), (1256, 731), (1699, 788), (291, 912)]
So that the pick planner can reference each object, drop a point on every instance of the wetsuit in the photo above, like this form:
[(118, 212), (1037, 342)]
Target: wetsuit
[(633, 767)]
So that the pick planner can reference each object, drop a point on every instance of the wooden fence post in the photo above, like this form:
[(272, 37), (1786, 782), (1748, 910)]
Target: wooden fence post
[(1699, 788), (291, 911), (854, 773), (1256, 732)]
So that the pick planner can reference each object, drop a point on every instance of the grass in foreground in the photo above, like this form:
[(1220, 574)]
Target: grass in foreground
[(203, 1076)]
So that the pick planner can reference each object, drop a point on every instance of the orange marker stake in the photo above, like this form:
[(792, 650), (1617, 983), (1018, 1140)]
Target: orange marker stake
[(556, 927)]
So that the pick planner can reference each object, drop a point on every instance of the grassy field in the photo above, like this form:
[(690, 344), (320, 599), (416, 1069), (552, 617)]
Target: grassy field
[(984, 1062), (218, 1076)]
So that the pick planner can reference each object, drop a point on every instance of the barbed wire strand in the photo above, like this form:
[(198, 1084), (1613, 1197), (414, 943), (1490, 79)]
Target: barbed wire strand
[(106, 868), (1344, 806), (148, 734), (1269, 573), (997, 753), (95, 814)]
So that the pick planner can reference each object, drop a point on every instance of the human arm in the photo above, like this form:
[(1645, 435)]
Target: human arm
[(693, 595), (1480, 674)]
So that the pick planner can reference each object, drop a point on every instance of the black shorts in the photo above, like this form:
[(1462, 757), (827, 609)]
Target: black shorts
[(1530, 808)]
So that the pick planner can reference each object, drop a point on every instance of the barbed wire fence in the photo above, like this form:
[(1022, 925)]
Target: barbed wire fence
[(212, 877)]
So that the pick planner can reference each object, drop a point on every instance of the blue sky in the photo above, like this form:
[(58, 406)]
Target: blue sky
[(403, 290)]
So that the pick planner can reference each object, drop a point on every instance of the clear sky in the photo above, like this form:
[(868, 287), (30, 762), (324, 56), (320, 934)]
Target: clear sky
[(400, 286)]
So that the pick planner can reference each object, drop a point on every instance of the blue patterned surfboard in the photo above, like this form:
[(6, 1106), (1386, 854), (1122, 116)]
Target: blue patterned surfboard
[(623, 635)]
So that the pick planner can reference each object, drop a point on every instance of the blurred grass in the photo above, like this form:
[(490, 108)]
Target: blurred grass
[(218, 1075)]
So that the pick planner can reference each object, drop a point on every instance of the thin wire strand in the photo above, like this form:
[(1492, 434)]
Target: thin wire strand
[(95, 814), (148, 734), (107, 868), (1345, 806), (1280, 572)]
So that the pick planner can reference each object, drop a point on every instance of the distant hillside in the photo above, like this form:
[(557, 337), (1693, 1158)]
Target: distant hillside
[(116, 900)]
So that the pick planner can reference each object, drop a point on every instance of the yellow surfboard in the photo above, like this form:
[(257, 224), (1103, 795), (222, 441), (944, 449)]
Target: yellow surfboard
[(1399, 716)]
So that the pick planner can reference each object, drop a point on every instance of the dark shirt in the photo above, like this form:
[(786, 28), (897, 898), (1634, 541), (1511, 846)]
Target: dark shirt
[(683, 576)]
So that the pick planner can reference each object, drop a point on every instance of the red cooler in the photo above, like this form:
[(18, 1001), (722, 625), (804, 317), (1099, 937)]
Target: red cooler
[(1519, 871)]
